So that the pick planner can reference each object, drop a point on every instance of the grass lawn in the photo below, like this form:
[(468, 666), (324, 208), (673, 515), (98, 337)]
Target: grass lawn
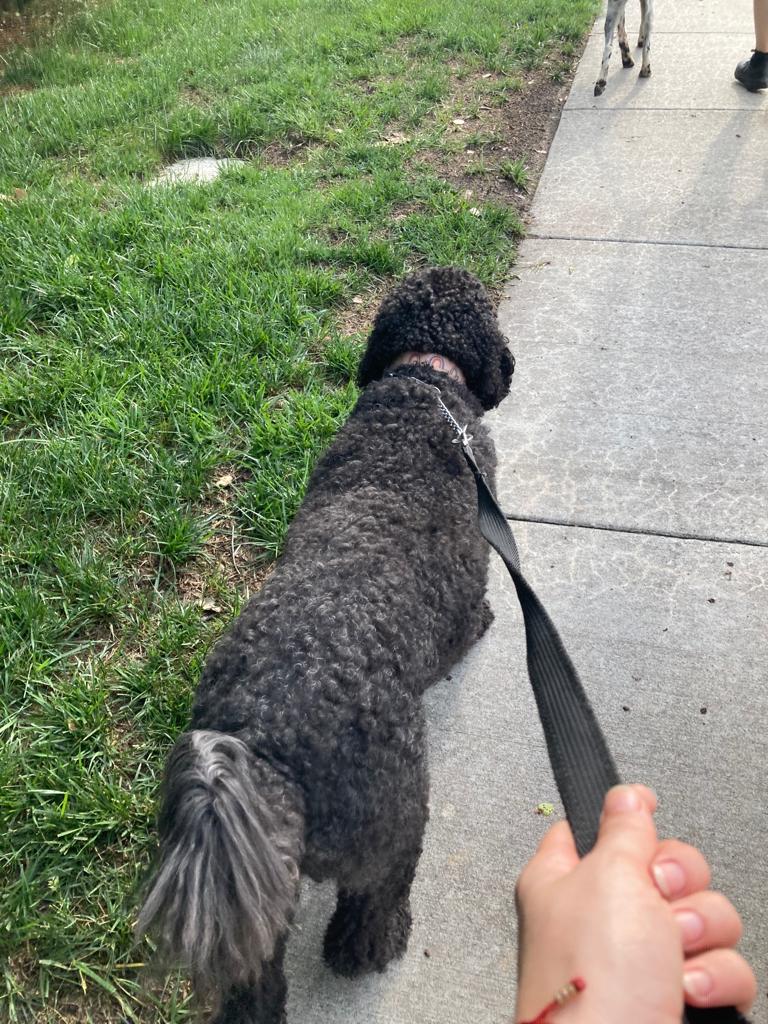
[(174, 359)]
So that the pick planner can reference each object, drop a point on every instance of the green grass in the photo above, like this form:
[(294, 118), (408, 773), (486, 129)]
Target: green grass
[(516, 172), (153, 339)]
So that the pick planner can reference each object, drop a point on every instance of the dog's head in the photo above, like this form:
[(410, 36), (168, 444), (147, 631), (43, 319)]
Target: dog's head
[(444, 310)]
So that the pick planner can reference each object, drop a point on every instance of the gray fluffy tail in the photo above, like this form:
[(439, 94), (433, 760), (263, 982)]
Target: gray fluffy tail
[(226, 884)]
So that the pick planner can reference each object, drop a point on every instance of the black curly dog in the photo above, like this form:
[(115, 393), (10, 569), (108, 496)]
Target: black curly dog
[(306, 750)]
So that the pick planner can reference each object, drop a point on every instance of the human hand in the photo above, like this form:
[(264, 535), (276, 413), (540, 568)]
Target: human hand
[(635, 918)]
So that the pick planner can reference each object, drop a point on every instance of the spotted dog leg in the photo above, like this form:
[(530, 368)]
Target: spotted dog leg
[(646, 10), (626, 59), (615, 9)]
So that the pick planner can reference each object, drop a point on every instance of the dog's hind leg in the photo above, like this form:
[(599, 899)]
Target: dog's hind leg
[(371, 927), (260, 1003), (641, 33), (473, 627), (372, 921), (644, 40), (626, 58), (615, 8)]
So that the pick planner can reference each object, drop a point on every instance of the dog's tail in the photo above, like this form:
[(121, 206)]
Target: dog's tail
[(231, 838)]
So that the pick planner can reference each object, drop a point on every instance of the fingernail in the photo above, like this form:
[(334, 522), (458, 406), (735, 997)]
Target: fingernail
[(621, 799), (697, 984), (691, 924), (670, 877)]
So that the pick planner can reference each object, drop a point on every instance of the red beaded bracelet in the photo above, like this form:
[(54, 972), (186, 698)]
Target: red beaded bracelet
[(574, 986)]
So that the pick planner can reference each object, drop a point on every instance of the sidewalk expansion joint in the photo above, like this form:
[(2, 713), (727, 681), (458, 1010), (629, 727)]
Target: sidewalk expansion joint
[(645, 241), (687, 32), (664, 110), (669, 534)]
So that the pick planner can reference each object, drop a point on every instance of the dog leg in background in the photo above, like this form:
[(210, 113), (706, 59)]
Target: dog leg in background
[(626, 58), (644, 39), (477, 622), (231, 840), (615, 8), (485, 619)]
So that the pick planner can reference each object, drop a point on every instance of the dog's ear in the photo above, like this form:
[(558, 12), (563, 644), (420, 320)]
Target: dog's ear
[(397, 327), (494, 385), (371, 366)]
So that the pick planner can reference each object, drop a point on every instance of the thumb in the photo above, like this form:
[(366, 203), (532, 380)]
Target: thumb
[(555, 857), (626, 825)]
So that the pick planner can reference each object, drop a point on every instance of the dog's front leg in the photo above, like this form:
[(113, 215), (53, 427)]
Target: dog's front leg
[(615, 8), (262, 1003)]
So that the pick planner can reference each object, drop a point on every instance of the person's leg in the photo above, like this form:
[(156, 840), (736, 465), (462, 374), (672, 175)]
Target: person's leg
[(753, 73), (761, 25)]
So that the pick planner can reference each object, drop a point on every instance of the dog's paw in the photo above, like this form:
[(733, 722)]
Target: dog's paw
[(645, 72), (626, 60), (362, 942), (600, 87)]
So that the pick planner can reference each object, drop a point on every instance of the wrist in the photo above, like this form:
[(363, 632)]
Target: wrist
[(600, 1001), (564, 995)]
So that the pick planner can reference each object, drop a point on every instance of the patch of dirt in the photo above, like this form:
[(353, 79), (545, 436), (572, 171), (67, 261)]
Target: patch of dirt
[(72, 1006), (232, 559), (22, 24), (15, 90), (228, 562), (195, 96), (227, 555), (357, 318), (494, 119), (284, 154), (13, 28), (514, 123)]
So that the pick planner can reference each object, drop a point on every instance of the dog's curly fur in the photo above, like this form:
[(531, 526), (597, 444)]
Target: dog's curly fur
[(307, 744)]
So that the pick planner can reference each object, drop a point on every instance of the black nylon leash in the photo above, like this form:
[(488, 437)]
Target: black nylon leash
[(581, 761), (582, 764)]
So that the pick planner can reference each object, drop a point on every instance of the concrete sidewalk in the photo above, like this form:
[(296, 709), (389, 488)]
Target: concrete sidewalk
[(633, 452)]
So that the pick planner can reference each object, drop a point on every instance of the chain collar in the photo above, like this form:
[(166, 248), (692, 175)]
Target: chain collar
[(462, 436)]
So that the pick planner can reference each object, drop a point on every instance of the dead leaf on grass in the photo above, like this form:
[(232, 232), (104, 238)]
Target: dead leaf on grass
[(394, 139), (225, 481)]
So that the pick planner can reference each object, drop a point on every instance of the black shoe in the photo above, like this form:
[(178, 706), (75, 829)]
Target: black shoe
[(753, 73)]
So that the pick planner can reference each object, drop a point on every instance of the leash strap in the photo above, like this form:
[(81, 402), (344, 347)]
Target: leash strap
[(581, 761)]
